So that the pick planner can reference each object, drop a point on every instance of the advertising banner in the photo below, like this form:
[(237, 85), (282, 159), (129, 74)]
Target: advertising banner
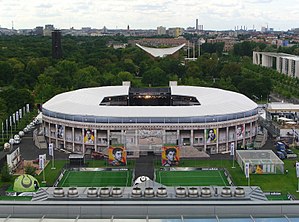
[(211, 135), (247, 170), (51, 149), (170, 156), (88, 136), (41, 161), (232, 149), (117, 156)]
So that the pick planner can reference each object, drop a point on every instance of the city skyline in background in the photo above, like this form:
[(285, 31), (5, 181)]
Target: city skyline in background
[(139, 14)]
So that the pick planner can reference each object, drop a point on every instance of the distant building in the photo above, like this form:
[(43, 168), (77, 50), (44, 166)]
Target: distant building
[(39, 30), (48, 30), (56, 44), (175, 32), (161, 30), (283, 63)]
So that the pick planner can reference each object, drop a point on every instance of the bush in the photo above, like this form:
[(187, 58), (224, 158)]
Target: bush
[(31, 170), (5, 174)]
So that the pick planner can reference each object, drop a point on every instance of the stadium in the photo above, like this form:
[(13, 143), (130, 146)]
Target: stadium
[(143, 120)]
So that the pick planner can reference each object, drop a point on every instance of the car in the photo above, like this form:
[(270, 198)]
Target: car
[(281, 155), (291, 154), (98, 155)]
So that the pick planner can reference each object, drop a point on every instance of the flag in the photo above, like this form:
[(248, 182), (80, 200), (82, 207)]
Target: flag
[(297, 169), (247, 170), (17, 115), (51, 151), (232, 149), (23, 110), (14, 118), (27, 108), (41, 161), (20, 112), (10, 121), (6, 124)]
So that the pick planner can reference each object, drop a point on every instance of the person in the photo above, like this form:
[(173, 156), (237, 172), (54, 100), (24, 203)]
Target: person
[(211, 136), (118, 157), (88, 137), (170, 154)]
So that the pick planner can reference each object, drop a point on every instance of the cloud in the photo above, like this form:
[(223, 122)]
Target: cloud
[(46, 6)]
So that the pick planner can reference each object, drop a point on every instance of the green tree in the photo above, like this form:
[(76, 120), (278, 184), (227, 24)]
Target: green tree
[(155, 77)]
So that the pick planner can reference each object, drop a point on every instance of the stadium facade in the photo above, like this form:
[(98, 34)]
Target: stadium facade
[(145, 119)]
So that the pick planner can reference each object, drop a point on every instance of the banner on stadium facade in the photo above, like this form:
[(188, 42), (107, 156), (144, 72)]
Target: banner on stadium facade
[(60, 131), (240, 132), (170, 156), (211, 135), (88, 136), (117, 156)]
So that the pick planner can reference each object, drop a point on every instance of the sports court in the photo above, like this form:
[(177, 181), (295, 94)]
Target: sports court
[(192, 178), (101, 178)]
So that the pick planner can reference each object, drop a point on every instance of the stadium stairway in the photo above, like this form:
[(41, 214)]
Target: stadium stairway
[(40, 195), (144, 166), (257, 194)]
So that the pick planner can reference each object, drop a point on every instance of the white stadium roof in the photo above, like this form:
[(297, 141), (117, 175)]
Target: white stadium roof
[(161, 52), (212, 102)]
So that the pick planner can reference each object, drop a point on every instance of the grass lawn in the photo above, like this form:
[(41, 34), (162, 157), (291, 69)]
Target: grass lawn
[(50, 174)]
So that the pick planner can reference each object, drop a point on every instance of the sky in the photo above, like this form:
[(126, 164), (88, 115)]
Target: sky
[(145, 14)]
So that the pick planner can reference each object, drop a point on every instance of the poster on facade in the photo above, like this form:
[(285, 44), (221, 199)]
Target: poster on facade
[(60, 131), (257, 169), (211, 135), (240, 132), (88, 136), (117, 156), (170, 156)]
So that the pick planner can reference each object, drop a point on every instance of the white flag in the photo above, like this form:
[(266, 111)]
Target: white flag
[(232, 149), (17, 115), (27, 108), (247, 170), (14, 118), (297, 169), (10, 121), (6, 124), (20, 112), (41, 161), (51, 151)]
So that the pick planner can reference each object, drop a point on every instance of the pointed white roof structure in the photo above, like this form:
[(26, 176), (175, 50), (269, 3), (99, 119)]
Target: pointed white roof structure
[(161, 52)]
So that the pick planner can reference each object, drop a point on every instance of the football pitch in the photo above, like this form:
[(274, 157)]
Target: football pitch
[(96, 178), (192, 178)]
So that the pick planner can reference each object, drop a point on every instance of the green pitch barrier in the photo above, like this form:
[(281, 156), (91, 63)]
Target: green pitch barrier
[(96, 179), (192, 178)]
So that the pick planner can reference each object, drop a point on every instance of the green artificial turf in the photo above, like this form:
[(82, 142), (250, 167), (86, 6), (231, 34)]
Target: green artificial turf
[(192, 178), (96, 178)]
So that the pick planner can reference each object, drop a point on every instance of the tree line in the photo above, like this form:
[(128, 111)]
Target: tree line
[(28, 74)]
